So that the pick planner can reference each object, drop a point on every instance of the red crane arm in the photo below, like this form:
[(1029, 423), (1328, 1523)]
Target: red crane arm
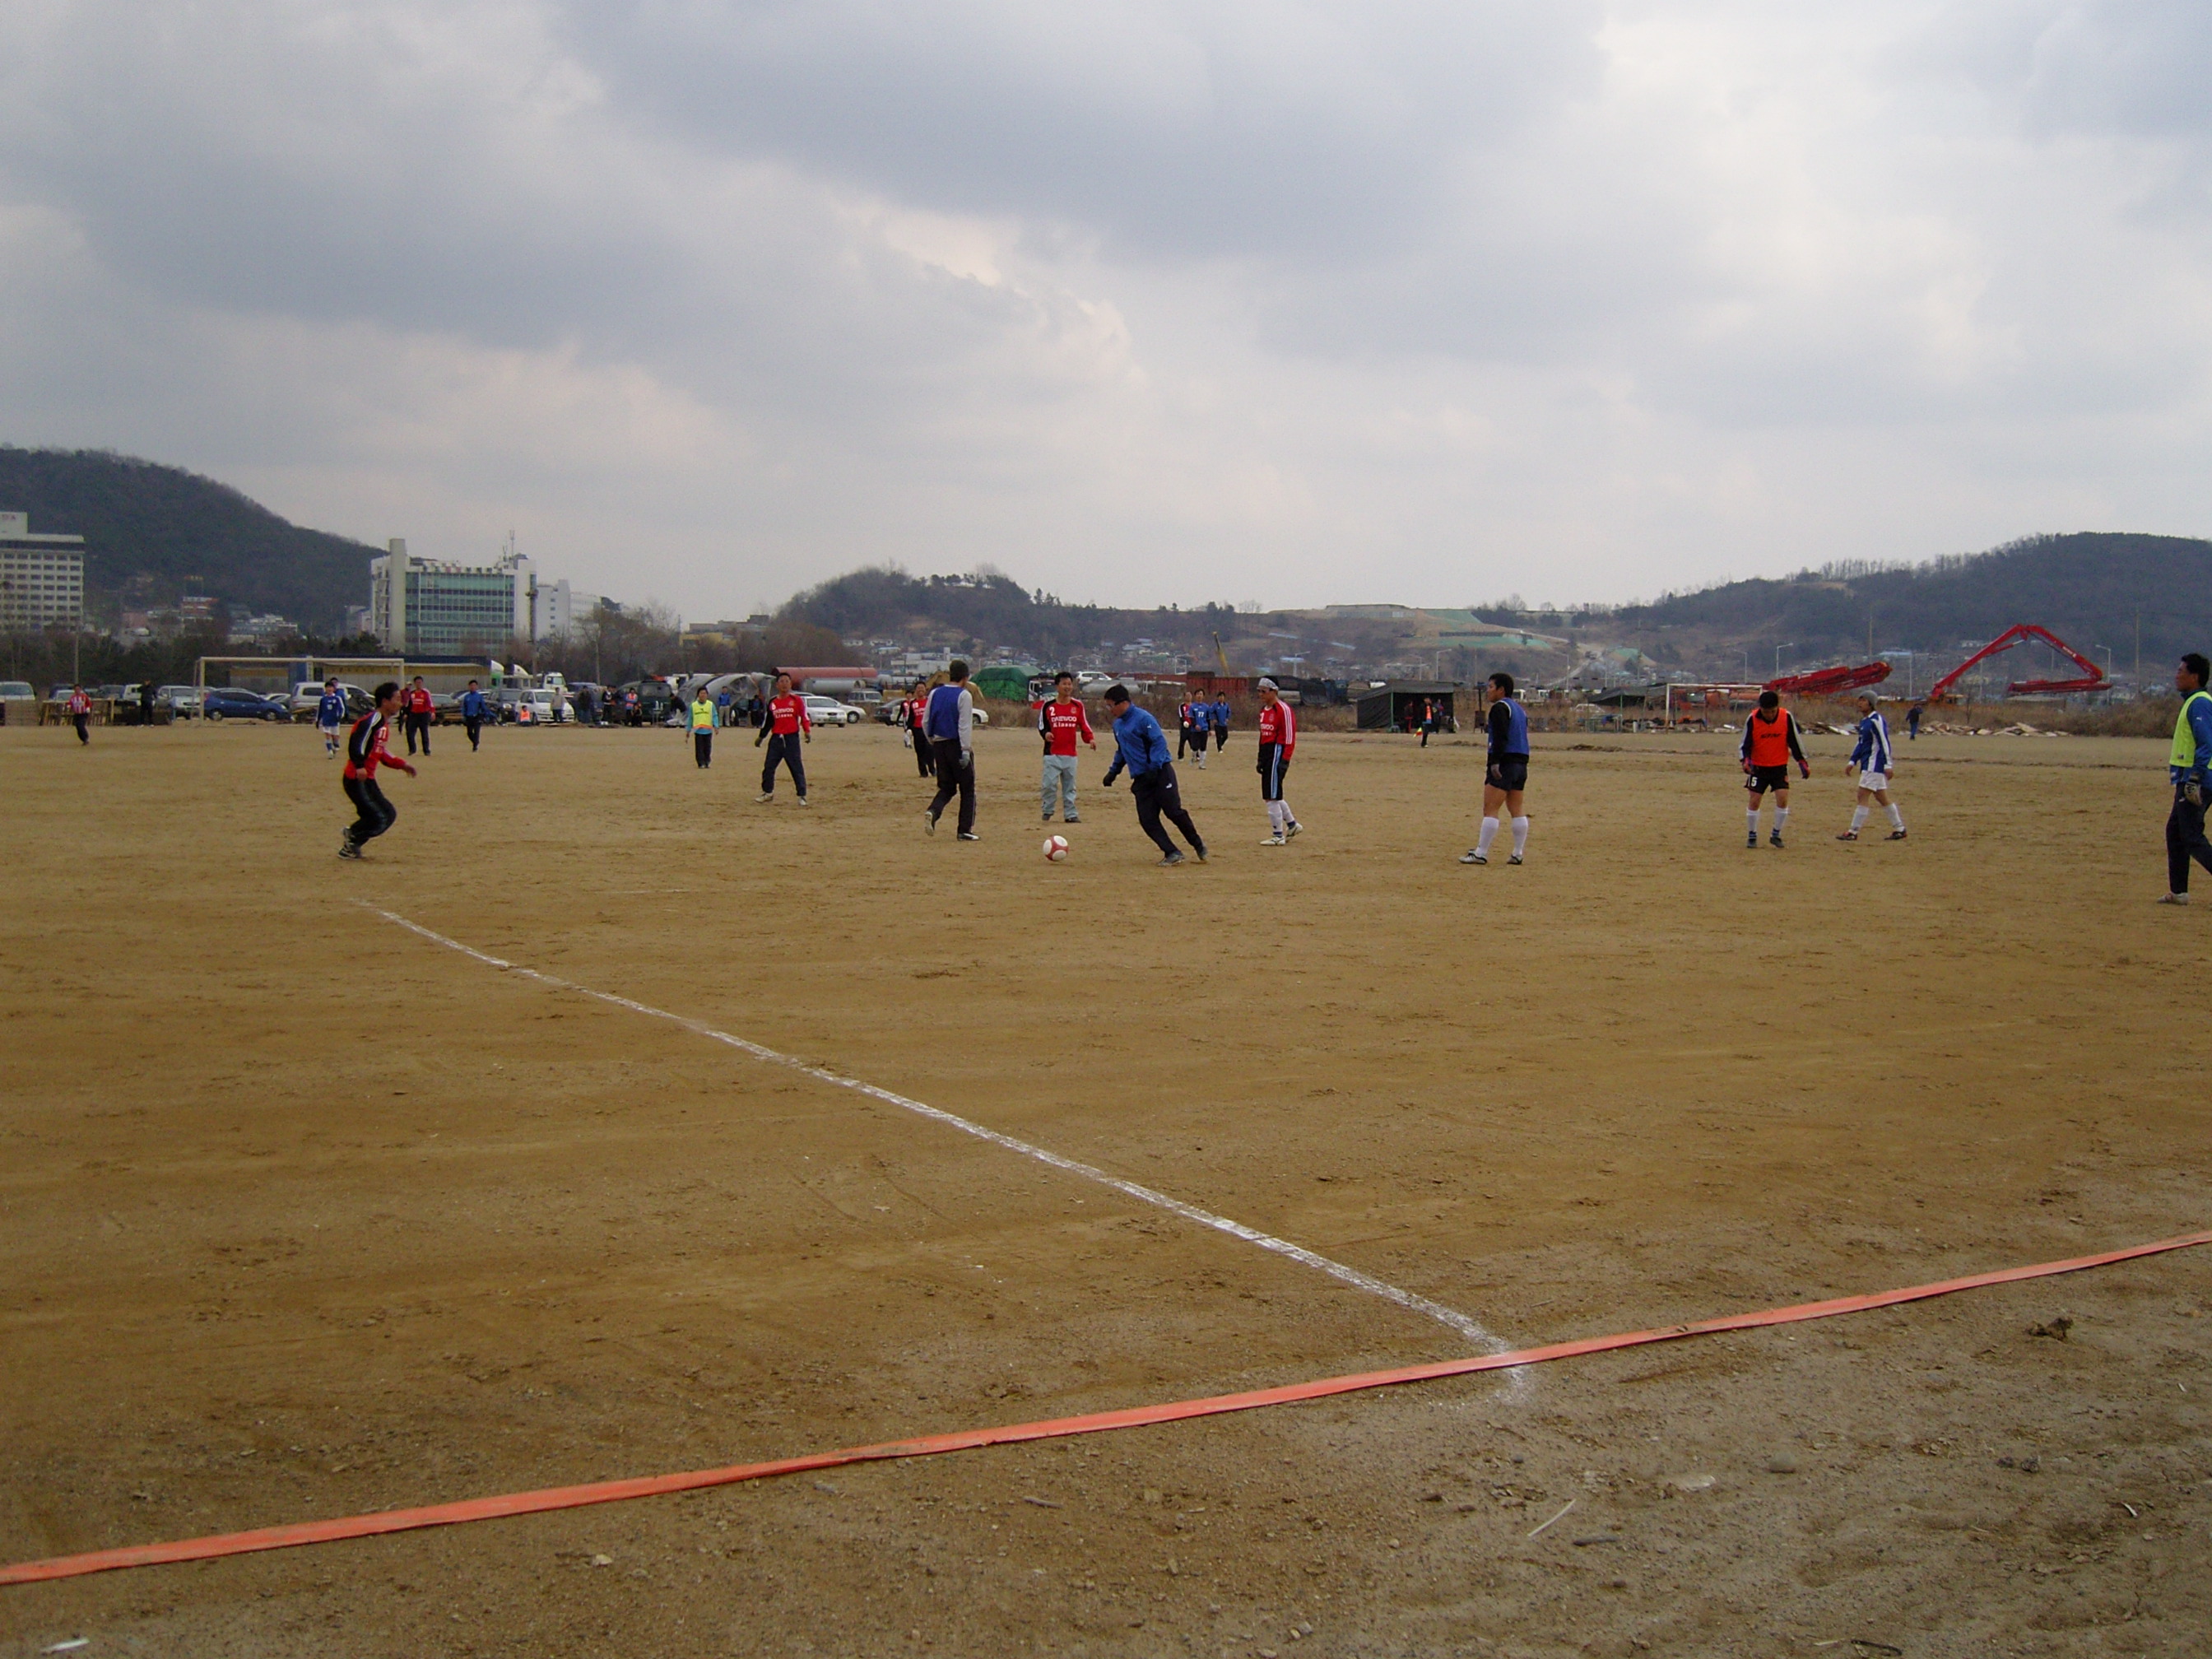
[(2091, 677)]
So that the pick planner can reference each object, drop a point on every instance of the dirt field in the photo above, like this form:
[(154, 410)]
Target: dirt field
[(305, 1215)]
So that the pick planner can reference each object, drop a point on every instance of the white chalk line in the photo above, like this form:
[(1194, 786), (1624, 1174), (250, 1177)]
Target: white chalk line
[(1471, 1329)]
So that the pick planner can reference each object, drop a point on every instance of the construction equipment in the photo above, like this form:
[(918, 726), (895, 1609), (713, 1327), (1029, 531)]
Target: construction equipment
[(2090, 678), (1827, 682), (1222, 654)]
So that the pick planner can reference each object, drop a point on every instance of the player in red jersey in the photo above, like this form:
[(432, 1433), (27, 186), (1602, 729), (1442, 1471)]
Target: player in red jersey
[(80, 714), (917, 715), (367, 747), (1063, 721), (1279, 738), (417, 706), (787, 723)]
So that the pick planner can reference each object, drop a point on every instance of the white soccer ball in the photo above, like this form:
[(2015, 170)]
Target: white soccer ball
[(1055, 847)]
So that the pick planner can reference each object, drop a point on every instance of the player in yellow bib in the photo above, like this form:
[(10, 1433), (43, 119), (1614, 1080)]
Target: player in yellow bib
[(2186, 767)]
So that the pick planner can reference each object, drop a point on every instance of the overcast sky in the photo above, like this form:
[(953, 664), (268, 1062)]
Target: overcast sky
[(1140, 301)]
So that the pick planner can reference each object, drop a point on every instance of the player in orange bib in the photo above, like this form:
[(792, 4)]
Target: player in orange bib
[(1769, 744)]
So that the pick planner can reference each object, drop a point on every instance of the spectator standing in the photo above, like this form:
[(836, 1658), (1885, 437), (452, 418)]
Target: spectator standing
[(2186, 764), (473, 709)]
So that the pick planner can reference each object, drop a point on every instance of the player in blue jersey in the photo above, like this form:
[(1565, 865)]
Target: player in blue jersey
[(1506, 774), (330, 714), (1872, 760)]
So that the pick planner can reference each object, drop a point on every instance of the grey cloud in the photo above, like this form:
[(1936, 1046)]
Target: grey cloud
[(1174, 132)]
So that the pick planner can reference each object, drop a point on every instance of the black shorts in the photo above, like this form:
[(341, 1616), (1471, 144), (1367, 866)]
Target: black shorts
[(1272, 768), (1763, 778), (1507, 771)]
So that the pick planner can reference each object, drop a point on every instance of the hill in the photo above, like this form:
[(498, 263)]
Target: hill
[(2090, 588), (150, 530), (989, 608)]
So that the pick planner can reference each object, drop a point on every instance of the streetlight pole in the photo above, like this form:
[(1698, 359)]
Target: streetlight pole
[(1779, 650)]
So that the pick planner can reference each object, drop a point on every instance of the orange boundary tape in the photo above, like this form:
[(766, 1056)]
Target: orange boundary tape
[(616, 1491)]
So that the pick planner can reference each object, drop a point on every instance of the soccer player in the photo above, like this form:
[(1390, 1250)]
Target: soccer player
[(330, 714), (1182, 729), (949, 722), (1913, 724), (1506, 774), (1140, 745), (1218, 717), (1064, 722), (917, 728), (367, 747), (1769, 744), (702, 733), (416, 706), (474, 708), (1278, 739), (2186, 767), (1872, 760), (80, 714), (785, 723)]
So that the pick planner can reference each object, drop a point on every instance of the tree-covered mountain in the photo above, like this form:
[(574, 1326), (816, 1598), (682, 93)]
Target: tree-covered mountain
[(151, 531), (2092, 589), (993, 608)]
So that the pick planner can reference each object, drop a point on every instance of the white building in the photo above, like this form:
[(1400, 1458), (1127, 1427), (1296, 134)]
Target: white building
[(433, 607), (41, 577)]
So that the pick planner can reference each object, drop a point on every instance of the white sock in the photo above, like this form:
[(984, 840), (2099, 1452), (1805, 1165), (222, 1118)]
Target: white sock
[(1752, 818), (1896, 817), (1781, 817), (1489, 834), (1520, 836), (1275, 815), (1289, 816), (1858, 819)]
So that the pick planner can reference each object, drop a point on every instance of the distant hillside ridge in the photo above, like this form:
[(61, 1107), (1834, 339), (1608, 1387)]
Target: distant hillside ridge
[(2090, 589), (150, 529), (991, 608)]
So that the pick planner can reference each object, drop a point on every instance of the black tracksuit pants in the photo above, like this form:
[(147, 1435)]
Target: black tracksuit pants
[(925, 759), (377, 814), (784, 748), (475, 730), (2185, 839), (1159, 796), (418, 725), (702, 750), (953, 776)]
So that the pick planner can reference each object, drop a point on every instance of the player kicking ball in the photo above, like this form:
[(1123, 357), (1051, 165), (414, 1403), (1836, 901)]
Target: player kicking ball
[(1769, 744), (1142, 747), (1872, 760), (1279, 738)]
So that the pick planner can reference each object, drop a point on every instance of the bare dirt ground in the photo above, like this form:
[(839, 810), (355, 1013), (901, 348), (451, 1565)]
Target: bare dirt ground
[(305, 1215)]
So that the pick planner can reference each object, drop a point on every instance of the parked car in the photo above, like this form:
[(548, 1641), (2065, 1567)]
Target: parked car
[(183, 701), (828, 711), (17, 692), (224, 702)]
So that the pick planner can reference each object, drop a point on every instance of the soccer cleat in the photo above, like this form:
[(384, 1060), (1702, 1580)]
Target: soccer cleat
[(928, 820), (1199, 853), (1894, 835), (1848, 834), (1071, 819), (762, 801), (1471, 856), (1752, 839), (803, 801), (2173, 898), (969, 834), (1274, 841), (1170, 860), (348, 850), (1046, 820), (1774, 838), (1515, 858)]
